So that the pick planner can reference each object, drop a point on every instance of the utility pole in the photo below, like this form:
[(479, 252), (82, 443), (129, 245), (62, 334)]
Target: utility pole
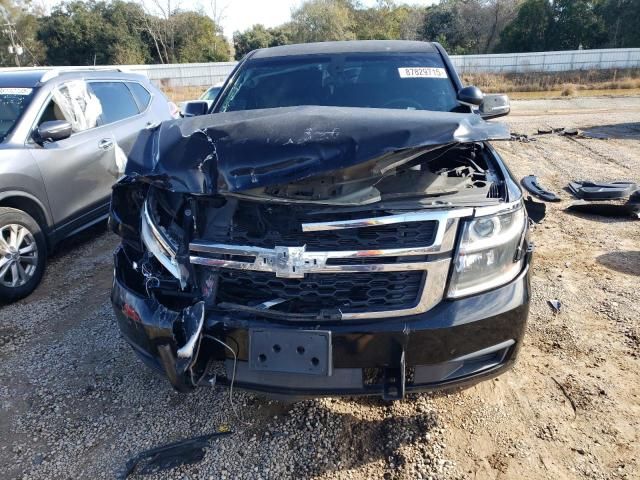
[(14, 48)]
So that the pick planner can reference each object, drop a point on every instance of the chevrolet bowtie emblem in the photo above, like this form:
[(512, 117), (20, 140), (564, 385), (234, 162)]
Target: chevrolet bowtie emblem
[(289, 262)]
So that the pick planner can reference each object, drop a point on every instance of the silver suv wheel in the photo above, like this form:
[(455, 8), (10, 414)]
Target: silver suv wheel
[(19, 255)]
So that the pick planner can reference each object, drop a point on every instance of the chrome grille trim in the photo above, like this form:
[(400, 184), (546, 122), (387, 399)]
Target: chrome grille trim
[(295, 262), (423, 216)]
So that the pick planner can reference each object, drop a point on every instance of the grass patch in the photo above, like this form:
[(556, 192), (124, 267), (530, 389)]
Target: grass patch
[(572, 82)]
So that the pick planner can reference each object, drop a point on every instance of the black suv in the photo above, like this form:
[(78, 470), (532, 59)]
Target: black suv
[(338, 225), (63, 138)]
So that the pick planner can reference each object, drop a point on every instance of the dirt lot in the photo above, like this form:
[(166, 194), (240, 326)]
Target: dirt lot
[(75, 402)]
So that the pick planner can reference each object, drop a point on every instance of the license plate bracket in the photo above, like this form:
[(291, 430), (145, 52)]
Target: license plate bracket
[(290, 351)]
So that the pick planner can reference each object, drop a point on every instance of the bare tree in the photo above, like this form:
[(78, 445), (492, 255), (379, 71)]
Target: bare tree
[(157, 20)]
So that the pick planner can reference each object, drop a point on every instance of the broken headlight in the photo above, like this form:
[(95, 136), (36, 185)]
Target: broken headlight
[(489, 253), (160, 246)]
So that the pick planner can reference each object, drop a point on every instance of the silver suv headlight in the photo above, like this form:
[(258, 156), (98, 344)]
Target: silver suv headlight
[(487, 256)]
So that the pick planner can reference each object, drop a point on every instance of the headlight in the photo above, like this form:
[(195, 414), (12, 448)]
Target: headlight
[(160, 247), (487, 253)]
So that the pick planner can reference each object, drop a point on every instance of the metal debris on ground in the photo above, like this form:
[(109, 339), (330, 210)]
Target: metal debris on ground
[(521, 137), (182, 452), (571, 132), (555, 305)]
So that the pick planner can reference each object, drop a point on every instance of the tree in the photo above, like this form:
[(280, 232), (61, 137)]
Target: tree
[(198, 39), (87, 33), (575, 24), (530, 30), (20, 20), (617, 17), (386, 20), (322, 21), (260, 37), (468, 26)]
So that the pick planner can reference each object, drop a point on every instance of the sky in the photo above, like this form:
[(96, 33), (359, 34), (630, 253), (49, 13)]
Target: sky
[(238, 15)]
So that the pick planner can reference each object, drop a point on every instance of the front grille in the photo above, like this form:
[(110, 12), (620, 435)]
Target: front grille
[(399, 235), (315, 293)]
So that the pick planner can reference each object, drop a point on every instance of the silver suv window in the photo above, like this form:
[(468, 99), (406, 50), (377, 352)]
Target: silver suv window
[(116, 99), (13, 102), (75, 103)]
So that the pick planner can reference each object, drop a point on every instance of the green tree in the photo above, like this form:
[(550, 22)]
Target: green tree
[(84, 33), (575, 24), (198, 39), (323, 20), (621, 19), (20, 19), (260, 37), (530, 31), (387, 21)]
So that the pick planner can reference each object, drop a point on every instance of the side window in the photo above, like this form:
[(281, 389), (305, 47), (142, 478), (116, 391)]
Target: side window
[(73, 102), (141, 94), (116, 99)]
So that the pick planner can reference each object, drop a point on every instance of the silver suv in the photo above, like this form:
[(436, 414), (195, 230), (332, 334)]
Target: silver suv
[(63, 138)]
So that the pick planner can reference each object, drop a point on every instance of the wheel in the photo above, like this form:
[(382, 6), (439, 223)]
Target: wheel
[(23, 254)]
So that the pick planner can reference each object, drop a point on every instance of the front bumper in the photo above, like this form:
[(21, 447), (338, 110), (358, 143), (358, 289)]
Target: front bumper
[(458, 342)]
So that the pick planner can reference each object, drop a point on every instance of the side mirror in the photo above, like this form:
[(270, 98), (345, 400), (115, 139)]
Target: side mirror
[(495, 105), (470, 96), (195, 108), (52, 131)]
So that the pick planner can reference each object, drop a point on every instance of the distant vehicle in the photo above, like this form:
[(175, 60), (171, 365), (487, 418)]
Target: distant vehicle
[(212, 92), (63, 134), (209, 96)]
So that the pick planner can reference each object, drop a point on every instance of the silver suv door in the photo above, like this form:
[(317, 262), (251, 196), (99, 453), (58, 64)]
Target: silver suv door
[(78, 172), (121, 113)]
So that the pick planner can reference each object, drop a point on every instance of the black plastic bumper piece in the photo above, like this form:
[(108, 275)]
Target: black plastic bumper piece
[(530, 182), (602, 191)]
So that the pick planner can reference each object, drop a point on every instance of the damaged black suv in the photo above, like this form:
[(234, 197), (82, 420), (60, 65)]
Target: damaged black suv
[(338, 224)]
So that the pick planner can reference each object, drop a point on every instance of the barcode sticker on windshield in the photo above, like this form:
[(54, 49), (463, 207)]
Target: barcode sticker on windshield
[(422, 72), (15, 91)]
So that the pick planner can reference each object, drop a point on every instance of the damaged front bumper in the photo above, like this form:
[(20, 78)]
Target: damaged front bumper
[(457, 342)]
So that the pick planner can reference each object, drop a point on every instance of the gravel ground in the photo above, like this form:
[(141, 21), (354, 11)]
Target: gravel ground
[(76, 403)]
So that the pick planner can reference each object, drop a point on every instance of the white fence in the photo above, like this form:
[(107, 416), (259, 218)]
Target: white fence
[(205, 74), (184, 74), (611, 58)]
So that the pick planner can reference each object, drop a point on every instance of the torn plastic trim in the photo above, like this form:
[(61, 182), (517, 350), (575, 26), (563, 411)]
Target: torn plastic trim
[(193, 321), (530, 182)]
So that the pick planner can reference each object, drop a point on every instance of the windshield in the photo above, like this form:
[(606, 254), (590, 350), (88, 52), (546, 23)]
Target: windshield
[(210, 94), (13, 101), (416, 81)]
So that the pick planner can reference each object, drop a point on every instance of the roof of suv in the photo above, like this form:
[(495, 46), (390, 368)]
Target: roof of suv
[(34, 77), (356, 46), (21, 78)]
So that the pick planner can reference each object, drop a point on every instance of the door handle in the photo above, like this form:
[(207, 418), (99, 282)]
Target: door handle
[(105, 144)]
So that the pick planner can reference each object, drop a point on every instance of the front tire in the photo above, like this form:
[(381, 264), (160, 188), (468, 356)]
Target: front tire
[(23, 254)]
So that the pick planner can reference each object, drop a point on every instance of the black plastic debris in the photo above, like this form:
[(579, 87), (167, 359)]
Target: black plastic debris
[(531, 184), (555, 305), (521, 137), (589, 190), (183, 452), (614, 210), (535, 210)]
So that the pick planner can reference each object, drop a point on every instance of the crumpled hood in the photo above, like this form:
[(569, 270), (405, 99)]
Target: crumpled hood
[(236, 151)]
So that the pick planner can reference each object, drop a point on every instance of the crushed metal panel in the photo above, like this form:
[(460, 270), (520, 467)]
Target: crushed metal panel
[(237, 151)]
